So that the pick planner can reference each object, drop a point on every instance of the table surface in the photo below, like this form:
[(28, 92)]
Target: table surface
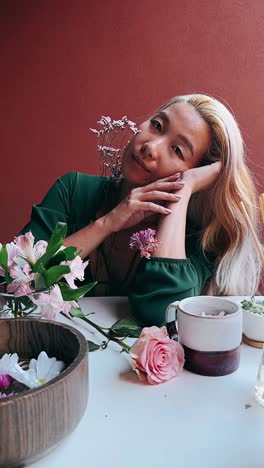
[(190, 421)]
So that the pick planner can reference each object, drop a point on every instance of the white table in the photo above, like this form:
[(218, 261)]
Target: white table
[(191, 421)]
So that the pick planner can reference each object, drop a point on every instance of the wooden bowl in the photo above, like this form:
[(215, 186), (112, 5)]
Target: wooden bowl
[(35, 421)]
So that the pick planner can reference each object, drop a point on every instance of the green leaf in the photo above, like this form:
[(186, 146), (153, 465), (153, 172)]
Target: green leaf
[(54, 273), (3, 257), (4, 263), (64, 255), (92, 346), (54, 244), (247, 305), (126, 327), (40, 284), (77, 313), (69, 294)]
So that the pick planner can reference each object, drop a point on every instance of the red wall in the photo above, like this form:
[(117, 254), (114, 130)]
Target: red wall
[(64, 64)]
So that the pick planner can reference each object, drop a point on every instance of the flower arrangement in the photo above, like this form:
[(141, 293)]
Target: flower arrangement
[(43, 275), (112, 139), (40, 274)]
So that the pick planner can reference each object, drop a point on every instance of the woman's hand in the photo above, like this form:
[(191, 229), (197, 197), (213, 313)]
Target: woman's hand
[(142, 202), (201, 178)]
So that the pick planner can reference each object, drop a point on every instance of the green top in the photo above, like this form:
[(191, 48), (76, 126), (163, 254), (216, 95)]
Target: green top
[(76, 199)]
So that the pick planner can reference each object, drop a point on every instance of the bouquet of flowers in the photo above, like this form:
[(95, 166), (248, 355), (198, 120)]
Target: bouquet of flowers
[(40, 274)]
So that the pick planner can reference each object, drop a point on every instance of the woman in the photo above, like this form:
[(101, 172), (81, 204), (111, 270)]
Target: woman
[(184, 175)]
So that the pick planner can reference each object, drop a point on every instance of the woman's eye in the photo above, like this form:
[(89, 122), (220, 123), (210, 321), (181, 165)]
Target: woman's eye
[(156, 124), (177, 151)]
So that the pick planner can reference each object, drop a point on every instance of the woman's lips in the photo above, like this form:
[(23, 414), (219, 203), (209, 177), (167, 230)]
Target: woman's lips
[(138, 161)]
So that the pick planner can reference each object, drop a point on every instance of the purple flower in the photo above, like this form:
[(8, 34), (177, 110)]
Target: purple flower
[(144, 241), (5, 380), (6, 395)]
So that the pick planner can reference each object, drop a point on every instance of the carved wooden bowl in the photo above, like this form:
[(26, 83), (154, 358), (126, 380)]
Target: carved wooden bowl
[(33, 423)]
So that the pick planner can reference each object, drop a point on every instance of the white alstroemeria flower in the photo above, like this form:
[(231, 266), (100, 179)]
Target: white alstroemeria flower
[(9, 365), (7, 362), (44, 368), (77, 267), (40, 370), (28, 250)]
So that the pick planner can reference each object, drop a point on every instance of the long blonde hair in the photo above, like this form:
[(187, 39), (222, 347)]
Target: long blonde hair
[(225, 230)]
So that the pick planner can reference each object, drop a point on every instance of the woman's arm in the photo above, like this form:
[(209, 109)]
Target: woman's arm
[(171, 230), (139, 203), (76, 198), (179, 268)]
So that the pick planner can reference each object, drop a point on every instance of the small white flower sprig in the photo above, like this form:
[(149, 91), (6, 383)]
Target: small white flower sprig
[(40, 275), (144, 241), (39, 372), (113, 137)]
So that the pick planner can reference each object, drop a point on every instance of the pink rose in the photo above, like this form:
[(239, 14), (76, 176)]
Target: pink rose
[(155, 357)]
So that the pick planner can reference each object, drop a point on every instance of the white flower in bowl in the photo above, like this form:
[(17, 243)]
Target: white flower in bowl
[(43, 369), (40, 371), (9, 366)]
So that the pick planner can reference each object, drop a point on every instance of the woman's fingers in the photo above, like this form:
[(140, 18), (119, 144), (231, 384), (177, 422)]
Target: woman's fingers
[(159, 195), (160, 185), (153, 208)]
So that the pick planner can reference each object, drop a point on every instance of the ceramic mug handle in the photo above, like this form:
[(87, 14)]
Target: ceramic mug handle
[(170, 319)]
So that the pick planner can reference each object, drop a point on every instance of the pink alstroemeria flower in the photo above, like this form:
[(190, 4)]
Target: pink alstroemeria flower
[(28, 250), (19, 289), (52, 303), (77, 267), (22, 278)]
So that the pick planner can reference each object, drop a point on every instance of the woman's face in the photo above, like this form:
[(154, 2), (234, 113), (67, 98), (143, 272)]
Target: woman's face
[(172, 141)]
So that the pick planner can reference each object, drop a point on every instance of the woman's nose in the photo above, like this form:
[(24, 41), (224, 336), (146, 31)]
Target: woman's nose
[(151, 149)]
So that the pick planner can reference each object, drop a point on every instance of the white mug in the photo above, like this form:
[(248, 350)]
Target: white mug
[(211, 341)]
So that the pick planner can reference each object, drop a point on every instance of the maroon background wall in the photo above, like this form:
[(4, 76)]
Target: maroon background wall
[(64, 64)]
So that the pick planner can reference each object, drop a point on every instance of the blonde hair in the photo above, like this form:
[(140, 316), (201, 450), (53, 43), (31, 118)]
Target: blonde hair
[(225, 231)]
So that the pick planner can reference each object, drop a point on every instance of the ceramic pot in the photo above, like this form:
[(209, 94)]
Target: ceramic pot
[(253, 325)]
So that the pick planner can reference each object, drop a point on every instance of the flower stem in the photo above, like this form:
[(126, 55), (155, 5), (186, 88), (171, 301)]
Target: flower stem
[(123, 345)]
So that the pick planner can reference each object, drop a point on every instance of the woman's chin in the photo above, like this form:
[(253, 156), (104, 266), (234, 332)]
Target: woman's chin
[(135, 180), (135, 177)]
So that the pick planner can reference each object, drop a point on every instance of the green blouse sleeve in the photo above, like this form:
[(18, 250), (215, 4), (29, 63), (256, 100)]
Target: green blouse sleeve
[(73, 199), (160, 281)]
